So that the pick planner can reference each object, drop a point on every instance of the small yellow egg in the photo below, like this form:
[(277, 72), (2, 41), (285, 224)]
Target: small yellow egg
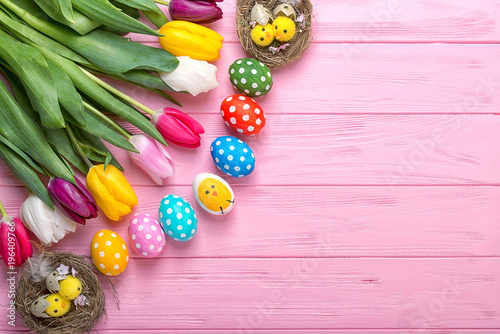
[(262, 35), (59, 305), (284, 28), (70, 287), (109, 252)]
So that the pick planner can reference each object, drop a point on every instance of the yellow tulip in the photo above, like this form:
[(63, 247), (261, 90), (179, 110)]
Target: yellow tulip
[(111, 191), (183, 38)]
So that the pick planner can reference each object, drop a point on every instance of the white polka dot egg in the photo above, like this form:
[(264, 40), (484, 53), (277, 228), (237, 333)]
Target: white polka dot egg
[(243, 114), (146, 235), (109, 252), (250, 77), (177, 218), (232, 156)]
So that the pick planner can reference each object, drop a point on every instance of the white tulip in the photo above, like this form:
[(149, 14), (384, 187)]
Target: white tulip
[(47, 224), (193, 76)]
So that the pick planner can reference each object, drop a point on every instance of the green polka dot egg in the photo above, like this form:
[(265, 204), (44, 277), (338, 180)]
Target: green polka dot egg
[(250, 77)]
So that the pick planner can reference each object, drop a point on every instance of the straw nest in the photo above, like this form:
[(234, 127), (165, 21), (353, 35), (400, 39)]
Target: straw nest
[(80, 319), (300, 42)]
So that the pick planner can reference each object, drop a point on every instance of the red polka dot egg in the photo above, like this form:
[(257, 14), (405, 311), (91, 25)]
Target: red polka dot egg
[(243, 114), (146, 235), (109, 252)]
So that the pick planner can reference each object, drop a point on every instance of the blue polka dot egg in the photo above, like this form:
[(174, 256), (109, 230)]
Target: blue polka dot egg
[(233, 156), (177, 218)]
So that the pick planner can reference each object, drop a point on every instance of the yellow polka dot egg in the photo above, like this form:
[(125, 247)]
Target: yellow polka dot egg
[(109, 252)]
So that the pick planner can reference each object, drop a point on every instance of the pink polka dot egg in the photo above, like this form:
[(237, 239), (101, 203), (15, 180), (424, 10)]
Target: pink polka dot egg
[(109, 252), (146, 235)]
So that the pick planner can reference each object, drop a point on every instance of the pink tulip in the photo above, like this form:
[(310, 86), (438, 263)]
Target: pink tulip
[(153, 157), (15, 246), (178, 128)]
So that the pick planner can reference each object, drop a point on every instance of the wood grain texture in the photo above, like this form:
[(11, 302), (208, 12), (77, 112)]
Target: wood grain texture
[(352, 222), (375, 203), (247, 294), (377, 21), (381, 79), (355, 150)]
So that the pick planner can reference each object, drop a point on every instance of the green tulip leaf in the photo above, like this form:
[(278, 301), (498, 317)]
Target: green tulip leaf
[(24, 32), (33, 71), (22, 131), (105, 13), (142, 5), (157, 18), (23, 172), (59, 10), (113, 54)]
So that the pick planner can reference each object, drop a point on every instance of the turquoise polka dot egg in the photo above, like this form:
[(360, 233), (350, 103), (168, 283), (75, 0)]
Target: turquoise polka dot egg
[(233, 156), (177, 218)]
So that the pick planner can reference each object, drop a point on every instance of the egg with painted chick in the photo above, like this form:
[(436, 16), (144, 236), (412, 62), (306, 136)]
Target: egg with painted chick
[(146, 235), (109, 252), (177, 218), (213, 193), (232, 156), (243, 114)]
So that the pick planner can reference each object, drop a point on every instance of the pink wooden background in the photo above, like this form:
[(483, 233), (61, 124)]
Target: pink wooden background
[(375, 203)]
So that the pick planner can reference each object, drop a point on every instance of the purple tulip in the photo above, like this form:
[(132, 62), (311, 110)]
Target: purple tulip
[(199, 11), (153, 158), (178, 128), (75, 202)]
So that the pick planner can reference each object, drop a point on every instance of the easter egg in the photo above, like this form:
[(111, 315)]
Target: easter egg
[(109, 252), (177, 218), (243, 114), (251, 77), (213, 193), (146, 235), (232, 156)]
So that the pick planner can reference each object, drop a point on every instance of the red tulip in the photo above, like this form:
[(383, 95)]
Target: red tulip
[(178, 128)]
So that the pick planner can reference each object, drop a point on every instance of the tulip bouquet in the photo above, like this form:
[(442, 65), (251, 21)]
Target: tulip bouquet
[(55, 116)]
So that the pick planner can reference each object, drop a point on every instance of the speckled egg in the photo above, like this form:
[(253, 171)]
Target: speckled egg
[(232, 156), (250, 76), (177, 218), (243, 114), (213, 193), (146, 235), (109, 252)]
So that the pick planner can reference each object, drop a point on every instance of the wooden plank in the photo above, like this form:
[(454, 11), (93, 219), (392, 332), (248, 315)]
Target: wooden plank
[(379, 21), (382, 79), (247, 294), (321, 222), (355, 150), (297, 331)]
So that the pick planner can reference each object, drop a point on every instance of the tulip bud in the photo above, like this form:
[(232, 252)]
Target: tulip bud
[(193, 76), (111, 190), (48, 225), (75, 202), (200, 11), (178, 128), (153, 158), (183, 38), (15, 246)]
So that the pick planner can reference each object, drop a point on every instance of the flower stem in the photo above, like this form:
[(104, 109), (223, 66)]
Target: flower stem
[(117, 92), (76, 144), (108, 120), (2, 210), (161, 2)]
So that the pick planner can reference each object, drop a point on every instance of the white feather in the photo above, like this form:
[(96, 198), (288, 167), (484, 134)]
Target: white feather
[(291, 2), (38, 268)]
